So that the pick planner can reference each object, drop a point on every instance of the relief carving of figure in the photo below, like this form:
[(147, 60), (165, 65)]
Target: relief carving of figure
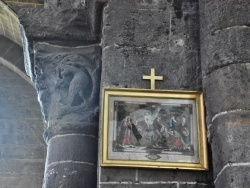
[(76, 82)]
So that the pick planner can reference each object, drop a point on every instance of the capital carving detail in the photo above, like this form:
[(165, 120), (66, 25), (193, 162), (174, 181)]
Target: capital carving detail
[(67, 81)]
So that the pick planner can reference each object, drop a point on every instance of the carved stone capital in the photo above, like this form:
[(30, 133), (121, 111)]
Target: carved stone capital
[(67, 81)]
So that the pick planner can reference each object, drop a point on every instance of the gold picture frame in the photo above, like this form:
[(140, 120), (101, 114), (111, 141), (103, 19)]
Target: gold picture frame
[(153, 129)]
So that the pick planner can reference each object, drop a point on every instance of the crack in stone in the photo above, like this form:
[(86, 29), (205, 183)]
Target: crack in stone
[(216, 67), (229, 27), (229, 164)]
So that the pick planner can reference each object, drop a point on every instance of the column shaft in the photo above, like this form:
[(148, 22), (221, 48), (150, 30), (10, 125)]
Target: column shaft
[(225, 57)]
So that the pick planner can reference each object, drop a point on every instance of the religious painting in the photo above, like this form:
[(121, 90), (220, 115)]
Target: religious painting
[(153, 128)]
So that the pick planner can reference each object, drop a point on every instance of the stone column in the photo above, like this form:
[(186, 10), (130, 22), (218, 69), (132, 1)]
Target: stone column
[(67, 82), (225, 57), (63, 58)]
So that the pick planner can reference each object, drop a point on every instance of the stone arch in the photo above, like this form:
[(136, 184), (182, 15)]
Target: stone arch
[(22, 148)]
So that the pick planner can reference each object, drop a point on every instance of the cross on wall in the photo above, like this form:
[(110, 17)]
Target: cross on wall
[(152, 77)]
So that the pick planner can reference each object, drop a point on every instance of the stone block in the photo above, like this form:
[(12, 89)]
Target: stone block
[(149, 23), (196, 185), (235, 176), (21, 126), (70, 174), (4, 45), (15, 111), (153, 185), (17, 166), (9, 33), (79, 148), (64, 4), (217, 15), (174, 175), (22, 152), (62, 24), (23, 180), (132, 63), (229, 46), (230, 140), (29, 139), (117, 174), (227, 89)]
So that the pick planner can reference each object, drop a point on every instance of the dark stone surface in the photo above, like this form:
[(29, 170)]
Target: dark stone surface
[(170, 185), (227, 84), (229, 46), (196, 185), (72, 147), (18, 166), (151, 35), (217, 15), (126, 62), (234, 176), (174, 175), (21, 181), (70, 174), (230, 140), (56, 24), (114, 174), (64, 4)]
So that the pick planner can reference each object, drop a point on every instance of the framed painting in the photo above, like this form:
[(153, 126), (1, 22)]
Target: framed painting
[(153, 129)]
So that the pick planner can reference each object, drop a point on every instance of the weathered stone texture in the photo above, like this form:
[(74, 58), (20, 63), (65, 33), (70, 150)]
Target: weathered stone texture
[(72, 148), (226, 47), (173, 175), (56, 24), (159, 34), (235, 176), (196, 185), (218, 15), (225, 33), (227, 89), (64, 4), (69, 174), (230, 139), (170, 185)]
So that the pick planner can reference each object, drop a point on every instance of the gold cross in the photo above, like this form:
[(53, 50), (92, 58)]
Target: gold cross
[(152, 78)]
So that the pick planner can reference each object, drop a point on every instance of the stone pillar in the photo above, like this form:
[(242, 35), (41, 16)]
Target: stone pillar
[(67, 82), (225, 57), (63, 58)]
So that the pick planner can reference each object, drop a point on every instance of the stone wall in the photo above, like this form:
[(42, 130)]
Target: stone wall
[(9, 26), (22, 148), (137, 36)]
